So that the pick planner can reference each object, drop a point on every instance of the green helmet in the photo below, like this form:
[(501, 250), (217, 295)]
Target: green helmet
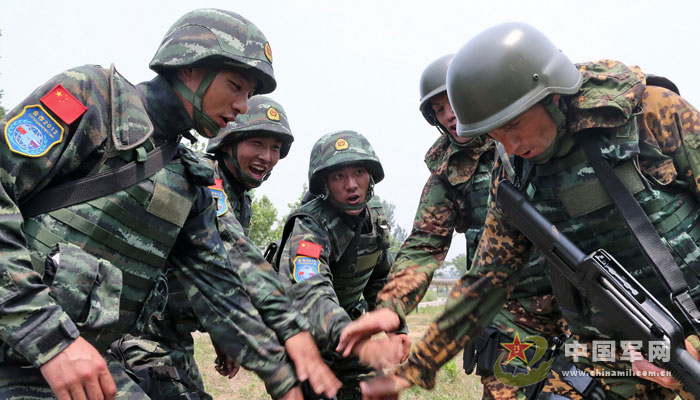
[(501, 73), (432, 83), (218, 39), (265, 117), (338, 149)]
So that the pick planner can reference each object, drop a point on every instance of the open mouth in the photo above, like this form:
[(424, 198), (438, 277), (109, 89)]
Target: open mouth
[(527, 154), (224, 121), (354, 199), (257, 171)]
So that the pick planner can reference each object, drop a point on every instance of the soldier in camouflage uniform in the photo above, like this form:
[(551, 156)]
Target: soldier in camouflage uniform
[(76, 276), (334, 252), (453, 199), (544, 102), (164, 355)]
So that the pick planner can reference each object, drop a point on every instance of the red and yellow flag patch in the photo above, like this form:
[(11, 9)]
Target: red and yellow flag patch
[(309, 249), (63, 104)]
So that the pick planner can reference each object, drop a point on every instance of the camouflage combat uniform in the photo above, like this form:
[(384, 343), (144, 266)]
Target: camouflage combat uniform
[(130, 234), (650, 128), (166, 351), (334, 278)]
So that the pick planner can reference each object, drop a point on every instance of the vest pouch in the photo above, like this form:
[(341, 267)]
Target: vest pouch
[(86, 287)]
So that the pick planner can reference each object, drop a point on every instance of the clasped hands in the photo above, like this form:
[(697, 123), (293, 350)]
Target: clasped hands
[(356, 339)]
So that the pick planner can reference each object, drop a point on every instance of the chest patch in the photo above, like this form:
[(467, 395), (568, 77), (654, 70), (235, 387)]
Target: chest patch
[(33, 132), (220, 197), (305, 268)]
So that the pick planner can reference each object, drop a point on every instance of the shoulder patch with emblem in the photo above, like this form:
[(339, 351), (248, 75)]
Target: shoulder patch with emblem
[(220, 197), (33, 132), (66, 106), (305, 267)]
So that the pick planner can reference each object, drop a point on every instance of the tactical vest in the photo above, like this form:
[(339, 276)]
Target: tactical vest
[(134, 229), (474, 193), (349, 280), (467, 189), (568, 193)]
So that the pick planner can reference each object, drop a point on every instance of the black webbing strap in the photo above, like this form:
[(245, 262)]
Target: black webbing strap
[(98, 185), (287, 230), (648, 240)]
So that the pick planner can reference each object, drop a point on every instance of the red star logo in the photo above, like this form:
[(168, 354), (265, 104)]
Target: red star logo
[(516, 349)]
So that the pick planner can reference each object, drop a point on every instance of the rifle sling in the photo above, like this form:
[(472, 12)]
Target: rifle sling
[(648, 240), (98, 185)]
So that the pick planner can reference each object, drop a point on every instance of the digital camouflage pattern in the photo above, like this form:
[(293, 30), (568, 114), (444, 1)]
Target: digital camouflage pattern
[(338, 293), (264, 116), (668, 131), (341, 148), (174, 216), (336, 263), (169, 342), (217, 38)]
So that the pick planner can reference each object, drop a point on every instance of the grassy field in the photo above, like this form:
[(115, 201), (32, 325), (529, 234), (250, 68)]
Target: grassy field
[(452, 382)]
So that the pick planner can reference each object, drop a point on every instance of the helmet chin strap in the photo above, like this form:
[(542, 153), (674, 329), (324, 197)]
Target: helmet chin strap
[(200, 120), (246, 179), (349, 207)]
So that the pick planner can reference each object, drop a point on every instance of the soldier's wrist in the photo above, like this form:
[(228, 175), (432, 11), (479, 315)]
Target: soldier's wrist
[(42, 345)]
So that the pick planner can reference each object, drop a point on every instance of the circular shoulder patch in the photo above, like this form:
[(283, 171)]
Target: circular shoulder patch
[(341, 144), (305, 267), (33, 132), (273, 114), (268, 51)]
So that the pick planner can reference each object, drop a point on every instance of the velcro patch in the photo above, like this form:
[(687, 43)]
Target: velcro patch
[(33, 132), (305, 268), (312, 250)]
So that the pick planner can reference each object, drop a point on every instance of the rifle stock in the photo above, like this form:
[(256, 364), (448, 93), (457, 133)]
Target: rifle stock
[(607, 286)]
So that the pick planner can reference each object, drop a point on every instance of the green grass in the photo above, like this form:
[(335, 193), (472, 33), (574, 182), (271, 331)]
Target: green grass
[(452, 382)]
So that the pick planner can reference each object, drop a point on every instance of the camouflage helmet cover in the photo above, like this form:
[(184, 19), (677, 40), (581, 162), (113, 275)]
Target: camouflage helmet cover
[(502, 72), (264, 117), (432, 83), (337, 149), (219, 39)]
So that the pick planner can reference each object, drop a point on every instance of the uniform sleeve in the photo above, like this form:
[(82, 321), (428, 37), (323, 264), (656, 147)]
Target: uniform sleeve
[(312, 282), (30, 320), (473, 301), (221, 303), (670, 135), (423, 251), (268, 294)]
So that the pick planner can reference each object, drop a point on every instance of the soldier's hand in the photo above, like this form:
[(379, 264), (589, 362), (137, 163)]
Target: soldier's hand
[(384, 388), (79, 372), (646, 370), (405, 344), (382, 320), (225, 364), (309, 365), (379, 353), (293, 394)]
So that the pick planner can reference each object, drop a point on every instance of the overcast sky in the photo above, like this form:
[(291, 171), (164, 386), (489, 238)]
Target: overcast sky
[(347, 64)]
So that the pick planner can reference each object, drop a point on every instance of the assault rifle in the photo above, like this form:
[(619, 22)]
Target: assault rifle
[(607, 286)]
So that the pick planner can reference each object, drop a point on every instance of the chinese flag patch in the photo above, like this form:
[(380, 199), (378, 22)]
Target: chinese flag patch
[(63, 104), (309, 249)]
